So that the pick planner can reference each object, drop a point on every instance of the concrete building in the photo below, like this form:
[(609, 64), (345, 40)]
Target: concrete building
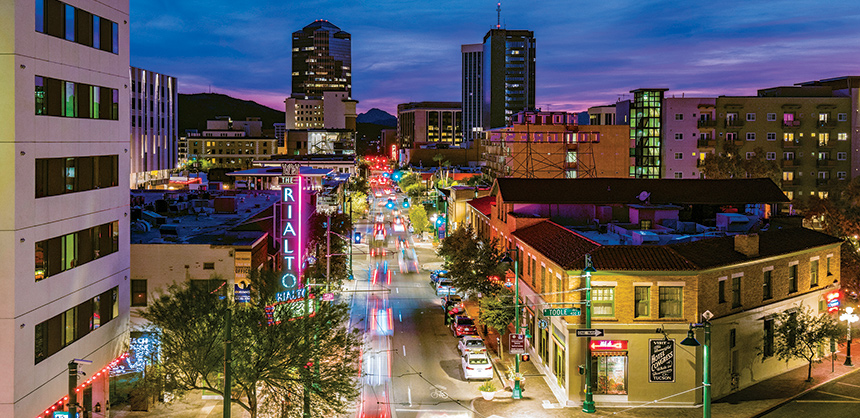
[(508, 75), (322, 60), (614, 114), (64, 76), (229, 143), (551, 145), (319, 141), (154, 127), (682, 156), (646, 133), (472, 96), (848, 86), (329, 110), (420, 124)]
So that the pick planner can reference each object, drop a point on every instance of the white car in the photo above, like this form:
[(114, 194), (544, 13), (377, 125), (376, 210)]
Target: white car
[(477, 366), (471, 344), (444, 287)]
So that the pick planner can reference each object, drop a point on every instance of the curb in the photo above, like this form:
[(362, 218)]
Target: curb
[(786, 401)]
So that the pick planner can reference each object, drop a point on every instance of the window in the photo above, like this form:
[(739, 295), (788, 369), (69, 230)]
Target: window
[(543, 279), (736, 292), (829, 272), (671, 302), (65, 21), (679, 175), (679, 137), (750, 136), (75, 100), (642, 301), (823, 139), (751, 117), (813, 273), (792, 278), (771, 136), (731, 136), (842, 136), (770, 156), (767, 285), (842, 117), (73, 324), (609, 372), (721, 291), (767, 347), (679, 116), (750, 155), (841, 156), (771, 117), (679, 155), (841, 175), (56, 176), (56, 255), (603, 301), (733, 338), (138, 292), (788, 136)]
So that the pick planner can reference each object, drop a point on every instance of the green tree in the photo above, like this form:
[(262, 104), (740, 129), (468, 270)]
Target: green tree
[(418, 217), (269, 362), (731, 163), (315, 272), (498, 312), (358, 184), (799, 335), (359, 205), (472, 261), (480, 180)]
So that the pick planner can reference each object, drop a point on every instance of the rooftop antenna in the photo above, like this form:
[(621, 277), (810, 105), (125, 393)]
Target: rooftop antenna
[(499, 15)]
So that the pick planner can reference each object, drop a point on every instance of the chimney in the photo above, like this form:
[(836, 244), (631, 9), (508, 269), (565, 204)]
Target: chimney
[(747, 244)]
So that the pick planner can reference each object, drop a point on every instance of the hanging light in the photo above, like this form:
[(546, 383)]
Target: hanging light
[(690, 341)]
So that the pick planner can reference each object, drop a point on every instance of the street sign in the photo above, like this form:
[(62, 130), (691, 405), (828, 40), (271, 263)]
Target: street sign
[(517, 343), (585, 332), (562, 312)]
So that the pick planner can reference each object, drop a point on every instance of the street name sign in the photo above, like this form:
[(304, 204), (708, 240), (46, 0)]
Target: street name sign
[(589, 332), (562, 312)]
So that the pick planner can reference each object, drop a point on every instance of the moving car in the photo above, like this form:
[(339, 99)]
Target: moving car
[(471, 344), (463, 325), (477, 366)]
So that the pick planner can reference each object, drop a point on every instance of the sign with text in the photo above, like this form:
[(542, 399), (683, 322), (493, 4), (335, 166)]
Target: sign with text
[(586, 332), (562, 312), (661, 356), (517, 343), (291, 228), (608, 345)]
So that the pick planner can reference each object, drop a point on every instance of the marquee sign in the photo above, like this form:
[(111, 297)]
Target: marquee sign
[(291, 233), (598, 345)]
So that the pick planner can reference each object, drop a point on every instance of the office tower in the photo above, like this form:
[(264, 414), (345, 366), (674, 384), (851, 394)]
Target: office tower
[(473, 57), (64, 234), (424, 123), (322, 60), (508, 75), (646, 133), (154, 127)]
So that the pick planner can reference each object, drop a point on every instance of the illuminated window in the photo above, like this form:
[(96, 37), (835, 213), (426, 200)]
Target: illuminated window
[(603, 301), (671, 302)]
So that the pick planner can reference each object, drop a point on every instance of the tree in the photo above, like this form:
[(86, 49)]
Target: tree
[(270, 359), (418, 217), (480, 180), (497, 312), (315, 272), (799, 334), (359, 205), (732, 164), (471, 262)]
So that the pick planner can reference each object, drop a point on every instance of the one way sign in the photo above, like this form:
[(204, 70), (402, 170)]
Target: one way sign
[(589, 332)]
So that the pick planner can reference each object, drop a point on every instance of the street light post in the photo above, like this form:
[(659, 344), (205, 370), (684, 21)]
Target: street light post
[(849, 316), (691, 341), (518, 391), (588, 405)]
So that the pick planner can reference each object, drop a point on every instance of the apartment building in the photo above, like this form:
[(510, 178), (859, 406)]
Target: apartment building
[(684, 135), (65, 85), (154, 127), (229, 143)]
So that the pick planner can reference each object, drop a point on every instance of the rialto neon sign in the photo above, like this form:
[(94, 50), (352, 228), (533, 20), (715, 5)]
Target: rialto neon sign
[(291, 233)]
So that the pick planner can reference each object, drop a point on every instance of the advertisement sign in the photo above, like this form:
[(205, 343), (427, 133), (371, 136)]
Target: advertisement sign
[(608, 345), (517, 343), (241, 293), (291, 232), (661, 357)]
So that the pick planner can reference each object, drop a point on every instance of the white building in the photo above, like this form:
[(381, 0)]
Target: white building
[(154, 127), (683, 136), (64, 230), (334, 110)]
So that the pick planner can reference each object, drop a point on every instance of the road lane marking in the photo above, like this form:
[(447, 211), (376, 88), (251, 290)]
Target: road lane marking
[(400, 316), (810, 401), (848, 384), (840, 396), (404, 351), (409, 395), (397, 289)]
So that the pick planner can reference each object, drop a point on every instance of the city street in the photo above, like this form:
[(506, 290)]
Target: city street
[(838, 398)]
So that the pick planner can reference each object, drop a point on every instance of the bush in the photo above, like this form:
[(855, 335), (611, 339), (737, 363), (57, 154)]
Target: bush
[(488, 386)]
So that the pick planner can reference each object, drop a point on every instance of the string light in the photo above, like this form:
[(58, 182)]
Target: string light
[(61, 403)]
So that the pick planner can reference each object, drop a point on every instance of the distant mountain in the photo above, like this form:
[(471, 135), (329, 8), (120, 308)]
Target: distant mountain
[(377, 117), (196, 109)]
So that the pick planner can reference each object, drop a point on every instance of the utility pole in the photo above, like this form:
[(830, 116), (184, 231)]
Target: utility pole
[(228, 360), (588, 405), (328, 252), (73, 381), (518, 391)]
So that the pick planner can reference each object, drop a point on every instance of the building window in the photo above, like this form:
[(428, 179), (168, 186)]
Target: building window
[(813, 273), (679, 137), (56, 255), (841, 175), (842, 136), (679, 116), (750, 136), (138, 292), (792, 278), (56, 176), (603, 301), (771, 117), (731, 136), (671, 302), (609, 372), (841, 156), (642, 296), (829, 272), (751, 117), (71, 325), (771, 136), (208, 266), (767, 346), (750, 155), (679, 175), (788, 136), (736, 292), (842, 117), (67, 22), (767, 285), (770, 156), (679, 155), (721, 291), (55, 97)]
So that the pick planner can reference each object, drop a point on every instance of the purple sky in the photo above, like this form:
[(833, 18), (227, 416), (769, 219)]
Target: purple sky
[(588, 53)]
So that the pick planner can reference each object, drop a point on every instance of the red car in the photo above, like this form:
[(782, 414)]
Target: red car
[(463, 325)]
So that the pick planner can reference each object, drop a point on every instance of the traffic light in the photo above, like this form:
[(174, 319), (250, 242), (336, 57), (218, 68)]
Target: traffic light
[(440, 221), (357, 238), (524, 357), (406, 203), (581, 369)]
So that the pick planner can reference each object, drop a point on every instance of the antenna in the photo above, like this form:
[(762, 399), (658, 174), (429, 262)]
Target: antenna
[(499, 15)]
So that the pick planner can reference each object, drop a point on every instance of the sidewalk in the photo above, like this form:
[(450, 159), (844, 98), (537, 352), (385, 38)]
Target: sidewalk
[(751, 402)]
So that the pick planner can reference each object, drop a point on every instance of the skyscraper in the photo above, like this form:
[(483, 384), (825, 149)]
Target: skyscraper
[(64, 234), (508, 75), (322, 60), (646, 133), (473, 58)]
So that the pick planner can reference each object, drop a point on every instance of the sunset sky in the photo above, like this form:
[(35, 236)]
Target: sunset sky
[(588, 53)]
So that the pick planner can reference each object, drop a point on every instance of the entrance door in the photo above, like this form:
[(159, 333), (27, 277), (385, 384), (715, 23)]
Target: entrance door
[(559, 365), (609, 371)]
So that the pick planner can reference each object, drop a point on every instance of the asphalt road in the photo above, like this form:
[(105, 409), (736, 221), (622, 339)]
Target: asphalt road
[(410, 366), (838, 398)]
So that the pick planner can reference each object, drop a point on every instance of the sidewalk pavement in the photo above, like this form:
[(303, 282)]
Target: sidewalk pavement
[(751, 402)]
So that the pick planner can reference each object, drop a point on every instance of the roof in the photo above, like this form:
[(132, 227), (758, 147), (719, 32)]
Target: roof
[(628, 190), (482, 204), (278, 171), (563, 246), (638, 257)]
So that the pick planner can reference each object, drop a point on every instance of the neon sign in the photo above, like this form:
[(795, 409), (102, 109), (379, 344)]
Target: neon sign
[(291, 232), (833, 301), (290, 305), (609, 345)]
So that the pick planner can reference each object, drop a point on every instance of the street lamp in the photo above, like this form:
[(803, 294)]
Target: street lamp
[(588, 405), (518, 392), (849, 316), (691, 341)]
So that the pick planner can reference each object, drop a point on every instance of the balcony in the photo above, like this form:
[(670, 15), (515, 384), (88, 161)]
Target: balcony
[(707, 124), (821, 163), (791, 124), (734, 123), (791, 182), (790, 144), (706, 143)]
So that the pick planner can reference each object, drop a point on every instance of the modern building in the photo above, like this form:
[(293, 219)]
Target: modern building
[(472, 96), (319, 141), (322, 60), (154, 127), (848, 86), (682, 156), (614, 114), (508, 76), (64, 234), (552, 145), (420, 124), (329, 110), (646, 133)]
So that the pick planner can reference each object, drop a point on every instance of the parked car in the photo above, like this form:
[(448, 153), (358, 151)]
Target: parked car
[(463, 325), (445, 287), (471, 344), (477, 366), (453, 303), (438, 275)]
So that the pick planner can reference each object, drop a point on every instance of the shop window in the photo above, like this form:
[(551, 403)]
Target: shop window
[(609, 372), (642, 296), (671, 301), (603, 301)]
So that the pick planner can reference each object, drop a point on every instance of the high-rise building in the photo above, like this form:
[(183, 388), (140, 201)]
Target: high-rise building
[(423, 123), (473, 58), (508, 75), (154, 127), (646, 133), (64, 234), (322, 60)]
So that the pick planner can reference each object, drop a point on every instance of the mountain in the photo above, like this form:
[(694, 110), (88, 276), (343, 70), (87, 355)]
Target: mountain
[(377, 117), (196, 109)]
